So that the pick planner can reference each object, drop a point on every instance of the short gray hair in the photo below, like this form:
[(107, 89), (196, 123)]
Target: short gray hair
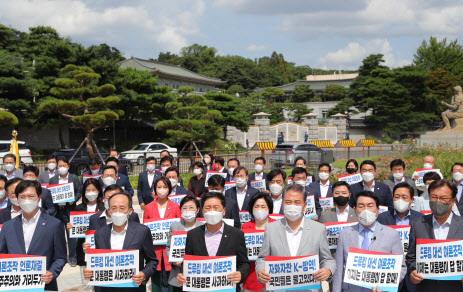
[(296, 188)]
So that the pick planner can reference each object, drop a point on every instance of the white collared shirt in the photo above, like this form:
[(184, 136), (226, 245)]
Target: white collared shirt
[(259, 176), (29, 229), (91, 208), (162, 212), (8, 177), (63, 180), (372, 188), (117, 239), (240, 196), (441, 231), (277, 204), (294, 237), (151, 178), (15, 213), (399, 181), (342, 217), (51, 174), (108, 219), (324, 188)]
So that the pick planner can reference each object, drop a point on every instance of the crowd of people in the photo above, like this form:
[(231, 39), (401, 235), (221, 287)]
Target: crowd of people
[(32, 224)]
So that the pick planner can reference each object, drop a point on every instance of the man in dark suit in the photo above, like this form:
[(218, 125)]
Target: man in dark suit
[(121, 179), (232, 164), (457, 175), (299, 176), (161, 155), (46, 202), (441, 224), (50, 170), (13, 208), (368, 172), (122, 168), (94, 168), (44, 235), (145, 182), (242, 193), (125, 234), (220, 163), (63, 209), (300, 162), (398, 176), (167, 162), (221, 239), (259, 174), (173, 175), (341, 212), (4, 201)]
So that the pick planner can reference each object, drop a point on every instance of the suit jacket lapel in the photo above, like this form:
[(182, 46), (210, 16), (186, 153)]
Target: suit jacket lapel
[(454, 226), (202, 240), (224, 240), (428, 226), (39, 228), (168, 207), (334, 216), (351, 216), (304, 237), (130, 234), (283, 238), (107, 236), (354, 236), (18, 227), (377, 235)]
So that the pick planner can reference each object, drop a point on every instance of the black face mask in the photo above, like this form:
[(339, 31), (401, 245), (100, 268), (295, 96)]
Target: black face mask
[(350, 170), (341, 200)]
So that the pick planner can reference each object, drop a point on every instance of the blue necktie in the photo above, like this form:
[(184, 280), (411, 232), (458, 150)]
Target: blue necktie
[(366, 240)]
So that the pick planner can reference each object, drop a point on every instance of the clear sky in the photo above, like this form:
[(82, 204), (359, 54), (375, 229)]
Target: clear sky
[(334, 34)]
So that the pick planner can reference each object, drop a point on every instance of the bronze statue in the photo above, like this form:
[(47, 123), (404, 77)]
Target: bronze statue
[(455, 110)]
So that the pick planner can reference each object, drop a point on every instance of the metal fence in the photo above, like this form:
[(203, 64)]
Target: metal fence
[(368, 151)]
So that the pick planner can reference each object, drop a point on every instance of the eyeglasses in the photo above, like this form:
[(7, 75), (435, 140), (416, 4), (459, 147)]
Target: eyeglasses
[(444, 200)]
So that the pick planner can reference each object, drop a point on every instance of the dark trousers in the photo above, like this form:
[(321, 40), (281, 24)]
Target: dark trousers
[(63, 216), (160, 280)]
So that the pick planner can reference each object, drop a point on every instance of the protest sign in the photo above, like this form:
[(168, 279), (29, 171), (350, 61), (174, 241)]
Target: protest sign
[(425, 212), (366, 268), (421, 172), (177, 198), (229, 185), (87, 176), (112, 268), (160, 229), (80, 222), (211, 173), (245, 217), (22, 272), (258, 184), (292, 273), (90, 237), (204, 273), (326, 203), (45, 186), (333, 229), (439, 259), (177, 246), (253, 239), (351, 178), (276, 216), (404, 232), (62, 193), (310, 207), (383, 209)]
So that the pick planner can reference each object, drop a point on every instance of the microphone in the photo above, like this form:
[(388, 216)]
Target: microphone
[(373, 239)]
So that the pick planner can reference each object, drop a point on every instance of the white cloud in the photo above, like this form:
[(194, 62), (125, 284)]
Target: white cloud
[(256, 48)]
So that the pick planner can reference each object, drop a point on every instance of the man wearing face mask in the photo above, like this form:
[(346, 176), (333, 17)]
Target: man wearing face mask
[(122, 169), (13, 210), (167, 162), (121, 179), (35, 233), (63, 209), (382, 191), (294, 235), (173, 175), (232, 164), (9, 167), (368, 235), (123, 234), (162, 155), (215, 238), (300, 162), (94, 168), (46, 202), (276, 180), (145, 182), (441, 224), (398, 176), (342, 212), (242, 193), (299, 176), (259, 174), (428, 163), (50, 171), (4, 201), (457, 175)]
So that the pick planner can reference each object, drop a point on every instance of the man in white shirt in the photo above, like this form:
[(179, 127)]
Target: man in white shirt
[(9, 167), (276, 180), (241, 193), (50, 171), (119, 235), (259, 174)]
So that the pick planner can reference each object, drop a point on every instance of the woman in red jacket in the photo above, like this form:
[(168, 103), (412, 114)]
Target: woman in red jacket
[(260, 206), (161, 208)]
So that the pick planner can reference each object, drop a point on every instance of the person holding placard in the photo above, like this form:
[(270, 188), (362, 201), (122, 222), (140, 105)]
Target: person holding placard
[(259, 174), (189, 207), (145, 182), (457, 175), (441, 224), (35, 233), (173, 175), (46, 202), (300, 162), (161, 208), (94, 168), (242, 193), (14, 209), (217, 184), (215, 238), (124, 234), (341, 212), (197, 181), (323, 186), (294, 236), (63, 209), (299, 176), (260, 206), (428, 163), (398, 176), (367, 235)]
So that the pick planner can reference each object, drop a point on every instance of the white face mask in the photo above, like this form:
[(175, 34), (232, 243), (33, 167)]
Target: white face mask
[(9, 167), (275, 189), (173, 182), (108, 181), (457, 176), (207, 160), (164, 168), (216, 191), (106, 205), (398, 175), (95, 172), (197, 171), (151, 167), (260, 215), (367, 217), (401, 205), (162, 193), (301, 182), (427, 166), (2, 194), (213, 217), (63, 170), (230, 171), (368, 176), (240, 182), (118, 218), (14, 202), (91, 196), (323, 175), (189, 216), (28, 206), (258, 167), (51, 166), (292, 212)]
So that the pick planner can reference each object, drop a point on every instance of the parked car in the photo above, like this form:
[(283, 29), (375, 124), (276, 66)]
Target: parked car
[(285, 154), (144, 150), (24, 152), (79, 163)]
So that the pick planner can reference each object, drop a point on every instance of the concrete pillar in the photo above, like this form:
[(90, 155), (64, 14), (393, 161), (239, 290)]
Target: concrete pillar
[(339, 120), (263, 122), (311, 121)]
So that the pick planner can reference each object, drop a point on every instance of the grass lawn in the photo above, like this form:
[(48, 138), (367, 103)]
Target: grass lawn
[(342, 162)]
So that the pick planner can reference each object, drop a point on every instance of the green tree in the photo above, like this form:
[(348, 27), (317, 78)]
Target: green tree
[(234, 89), (334, 92), (79, 100), (302, 93), (434, 55), (273, 94), (193, 121), (345, 105), (7, 119)]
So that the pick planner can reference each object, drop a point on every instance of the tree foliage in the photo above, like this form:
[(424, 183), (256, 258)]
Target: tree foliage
[(333, 92), (302, 93), (433, 55)]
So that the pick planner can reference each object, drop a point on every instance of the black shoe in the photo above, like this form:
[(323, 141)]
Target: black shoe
[(73, 263)]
